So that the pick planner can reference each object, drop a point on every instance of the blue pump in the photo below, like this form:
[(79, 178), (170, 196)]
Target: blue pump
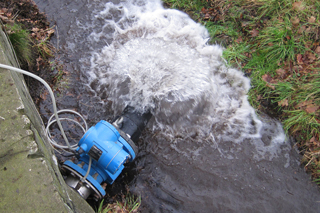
[(103, 151)]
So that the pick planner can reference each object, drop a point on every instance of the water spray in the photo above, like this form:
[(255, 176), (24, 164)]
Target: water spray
[(102, 151)]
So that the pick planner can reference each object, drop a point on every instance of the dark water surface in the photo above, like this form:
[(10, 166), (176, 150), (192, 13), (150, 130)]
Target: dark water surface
[(205, 149)]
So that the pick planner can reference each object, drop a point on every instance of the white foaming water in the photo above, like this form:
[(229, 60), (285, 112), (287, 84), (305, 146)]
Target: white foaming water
[(158, 59)]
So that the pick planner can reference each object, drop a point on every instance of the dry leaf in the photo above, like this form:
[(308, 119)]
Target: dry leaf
[(281, 72), (239, 39), (295, 21), (70, 94), (254, 33), (312, 20), (204, 10), (35, 29), (44, 95), (243, 24), (3, 11), (207, 16), (308, 29), (317, 50), (50, 32), (249, 56), (267, 78), (308, 44), (38, 63), (311, 57), (304, 103), (299, 59), (311, 108), (297, 6), (4, 18), (283, 102), (308, 106), (302, 29), (271, 86), (314, 141)]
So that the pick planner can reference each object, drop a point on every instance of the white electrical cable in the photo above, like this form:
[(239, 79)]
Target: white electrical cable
[(50, 122), (88, 170), (57, 119)]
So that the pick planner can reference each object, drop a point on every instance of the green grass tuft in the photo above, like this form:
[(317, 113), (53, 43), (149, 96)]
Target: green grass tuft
[(129, 204), (20, 41)]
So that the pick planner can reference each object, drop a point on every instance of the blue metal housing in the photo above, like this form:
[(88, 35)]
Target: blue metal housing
[(108, 149)]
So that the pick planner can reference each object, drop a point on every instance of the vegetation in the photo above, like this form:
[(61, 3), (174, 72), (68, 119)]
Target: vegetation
[(20, 41), (29, 33), (129, 204), (276, 43)]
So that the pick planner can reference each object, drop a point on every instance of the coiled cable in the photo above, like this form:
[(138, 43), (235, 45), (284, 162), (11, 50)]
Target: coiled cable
[(72, 148)]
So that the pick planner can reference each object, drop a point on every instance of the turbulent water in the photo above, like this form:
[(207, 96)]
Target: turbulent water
[(205, 149)]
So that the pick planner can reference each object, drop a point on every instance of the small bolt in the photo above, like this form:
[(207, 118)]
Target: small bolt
[(104, 186), (81, 164), (95, 176)]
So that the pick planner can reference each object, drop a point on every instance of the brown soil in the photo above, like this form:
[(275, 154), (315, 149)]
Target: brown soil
[(27, 15)]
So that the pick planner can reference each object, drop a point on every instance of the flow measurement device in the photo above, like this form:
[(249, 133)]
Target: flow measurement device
[(103, 150)]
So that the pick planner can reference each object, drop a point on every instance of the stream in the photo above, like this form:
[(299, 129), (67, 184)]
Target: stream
[(205, 149)]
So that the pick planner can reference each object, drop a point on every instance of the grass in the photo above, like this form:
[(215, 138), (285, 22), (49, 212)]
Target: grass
[(20, 41), (45, 48), (57, 68), (42, 43), (277, 44), (129, 204), (186, 4)]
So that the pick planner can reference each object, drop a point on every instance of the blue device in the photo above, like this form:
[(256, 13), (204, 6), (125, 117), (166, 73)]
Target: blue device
[(103, 151)]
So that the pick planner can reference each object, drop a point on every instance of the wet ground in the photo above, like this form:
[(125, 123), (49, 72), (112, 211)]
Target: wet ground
[(205, 149)]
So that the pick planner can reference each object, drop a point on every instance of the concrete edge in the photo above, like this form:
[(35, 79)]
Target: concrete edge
[(73, 202)]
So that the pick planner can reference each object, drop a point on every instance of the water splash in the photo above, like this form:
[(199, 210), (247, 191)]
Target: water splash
[(159, 59)]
